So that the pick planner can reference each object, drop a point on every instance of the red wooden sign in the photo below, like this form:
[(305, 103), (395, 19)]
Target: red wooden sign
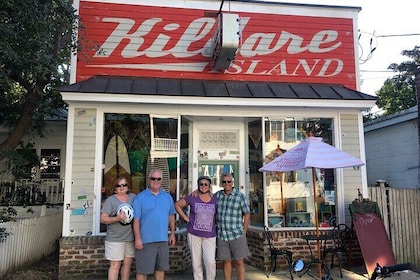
[(136, 40), (373, 241)]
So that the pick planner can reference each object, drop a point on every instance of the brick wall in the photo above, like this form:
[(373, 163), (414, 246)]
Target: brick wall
[(82, 257), (288, 240), (292, 241), (179, 255)]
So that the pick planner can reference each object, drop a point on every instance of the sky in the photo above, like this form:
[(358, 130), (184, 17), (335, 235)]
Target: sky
[(384, 18), (379, 18)]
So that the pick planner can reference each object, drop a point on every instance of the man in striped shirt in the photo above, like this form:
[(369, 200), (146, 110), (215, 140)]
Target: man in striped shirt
[(232, 221)]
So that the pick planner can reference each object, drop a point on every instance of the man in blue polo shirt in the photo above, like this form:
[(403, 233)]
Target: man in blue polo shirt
[(154, 210)]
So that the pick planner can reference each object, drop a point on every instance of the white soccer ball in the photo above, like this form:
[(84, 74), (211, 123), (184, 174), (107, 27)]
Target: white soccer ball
[(128, 211)]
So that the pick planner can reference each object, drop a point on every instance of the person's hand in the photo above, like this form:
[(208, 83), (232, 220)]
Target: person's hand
[(172, 239), (195, 193), (138, 244), (122, 216)]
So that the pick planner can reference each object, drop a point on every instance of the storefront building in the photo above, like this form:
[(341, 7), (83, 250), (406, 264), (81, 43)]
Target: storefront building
[(190, 90)]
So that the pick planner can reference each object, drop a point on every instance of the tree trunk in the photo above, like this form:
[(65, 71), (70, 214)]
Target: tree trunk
[(18, 132)]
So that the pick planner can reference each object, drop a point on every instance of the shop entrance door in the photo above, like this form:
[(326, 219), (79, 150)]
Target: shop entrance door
[(215, 168)]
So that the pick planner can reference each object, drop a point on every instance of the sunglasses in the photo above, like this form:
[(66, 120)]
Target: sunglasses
[(204, 184), (226, 182), (155, 178), (121, 185)]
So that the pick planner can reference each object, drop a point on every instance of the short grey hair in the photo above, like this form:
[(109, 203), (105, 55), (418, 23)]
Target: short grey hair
[(227, 175)]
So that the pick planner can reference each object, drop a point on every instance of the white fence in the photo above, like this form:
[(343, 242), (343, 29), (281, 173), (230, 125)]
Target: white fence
[(32, 192), (164, 144), (52, 189), (30, 239)]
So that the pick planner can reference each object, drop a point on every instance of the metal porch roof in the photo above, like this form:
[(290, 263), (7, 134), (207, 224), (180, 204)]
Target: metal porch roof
[(213, 88)]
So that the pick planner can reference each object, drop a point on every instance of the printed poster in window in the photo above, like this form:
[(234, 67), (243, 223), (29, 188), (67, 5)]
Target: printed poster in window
[(330, 197)]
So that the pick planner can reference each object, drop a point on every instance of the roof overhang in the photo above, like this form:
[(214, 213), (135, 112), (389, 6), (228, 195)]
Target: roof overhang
[(111, 89)]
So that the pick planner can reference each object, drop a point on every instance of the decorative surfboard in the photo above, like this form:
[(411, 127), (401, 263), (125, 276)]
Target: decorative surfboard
[(117, 163)]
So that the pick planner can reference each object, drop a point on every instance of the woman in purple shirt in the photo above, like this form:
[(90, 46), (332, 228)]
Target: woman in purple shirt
[(201, 228)]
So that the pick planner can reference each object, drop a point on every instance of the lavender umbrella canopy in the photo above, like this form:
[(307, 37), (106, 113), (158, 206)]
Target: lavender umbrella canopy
[(312, 153)]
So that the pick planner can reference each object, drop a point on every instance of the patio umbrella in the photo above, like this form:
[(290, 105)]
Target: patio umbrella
[(312, 153)]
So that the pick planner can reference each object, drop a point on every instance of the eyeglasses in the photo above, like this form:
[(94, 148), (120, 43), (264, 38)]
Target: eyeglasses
[(155, 178), (121, 185), (204, 184), (226, 182)]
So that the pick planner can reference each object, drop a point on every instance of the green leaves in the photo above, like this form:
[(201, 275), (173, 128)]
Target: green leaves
[(38, 37), (399, 93)]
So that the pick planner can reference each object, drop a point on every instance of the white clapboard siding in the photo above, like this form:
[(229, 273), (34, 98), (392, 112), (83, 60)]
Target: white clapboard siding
[(350, 144), (82, 169)]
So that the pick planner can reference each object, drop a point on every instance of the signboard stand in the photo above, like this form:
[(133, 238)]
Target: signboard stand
[(371, 234)]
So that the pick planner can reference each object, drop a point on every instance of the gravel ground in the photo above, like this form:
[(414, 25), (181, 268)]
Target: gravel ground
[(46, 269)]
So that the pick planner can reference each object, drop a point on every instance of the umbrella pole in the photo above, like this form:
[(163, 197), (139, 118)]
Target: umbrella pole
[(318, 247), (281, 193)]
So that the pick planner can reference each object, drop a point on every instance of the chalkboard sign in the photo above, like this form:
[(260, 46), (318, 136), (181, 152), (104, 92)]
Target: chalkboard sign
[(372, 237)]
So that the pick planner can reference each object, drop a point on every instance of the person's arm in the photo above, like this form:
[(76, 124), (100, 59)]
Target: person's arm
[(246, 213), (247, 219), (138, 243), (107, 219), (178, 207), (172, 228)]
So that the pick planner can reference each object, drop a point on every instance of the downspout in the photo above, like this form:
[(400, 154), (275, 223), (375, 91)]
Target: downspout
[(417, 82)]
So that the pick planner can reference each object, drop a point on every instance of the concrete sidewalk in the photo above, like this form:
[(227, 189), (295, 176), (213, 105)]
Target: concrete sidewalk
[(253, 273)]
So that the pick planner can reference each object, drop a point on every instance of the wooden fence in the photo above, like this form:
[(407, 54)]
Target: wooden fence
[(401, 215), (30, 240)]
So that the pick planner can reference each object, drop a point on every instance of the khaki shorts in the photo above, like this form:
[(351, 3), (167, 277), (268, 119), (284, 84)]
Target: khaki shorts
[(117, 251), (235, 249)]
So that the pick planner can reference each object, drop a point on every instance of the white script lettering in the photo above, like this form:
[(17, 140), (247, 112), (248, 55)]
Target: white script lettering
[(200, 29)]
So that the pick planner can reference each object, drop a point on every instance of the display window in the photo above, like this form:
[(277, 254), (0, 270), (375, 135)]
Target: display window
[(134, 144), (286, 198)]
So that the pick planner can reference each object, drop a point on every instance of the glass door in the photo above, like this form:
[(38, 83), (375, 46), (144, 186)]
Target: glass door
[(215, 168)]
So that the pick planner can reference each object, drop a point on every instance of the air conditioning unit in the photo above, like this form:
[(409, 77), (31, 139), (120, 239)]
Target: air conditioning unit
[(225, 41)]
